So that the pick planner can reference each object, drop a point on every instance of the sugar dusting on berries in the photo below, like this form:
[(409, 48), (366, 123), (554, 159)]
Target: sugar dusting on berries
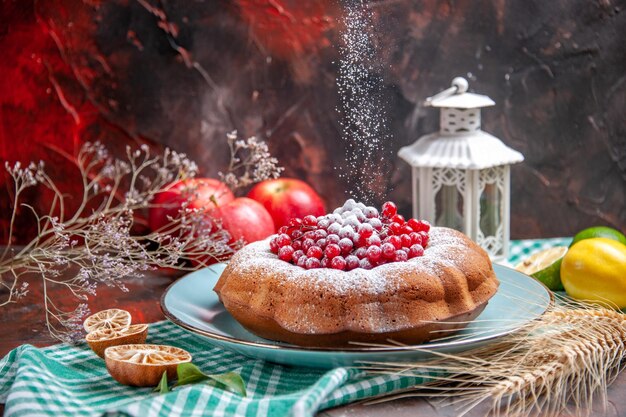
[(360, 87), (441, 254), (351, 237)]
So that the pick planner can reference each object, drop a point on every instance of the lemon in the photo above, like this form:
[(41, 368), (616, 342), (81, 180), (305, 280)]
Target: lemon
[(545, 266), (599, 231), (595, 270)]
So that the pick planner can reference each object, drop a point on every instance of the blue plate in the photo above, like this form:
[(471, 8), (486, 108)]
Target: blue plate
[(191, 304)]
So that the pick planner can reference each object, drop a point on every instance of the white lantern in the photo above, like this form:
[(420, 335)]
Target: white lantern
[(461, 175)]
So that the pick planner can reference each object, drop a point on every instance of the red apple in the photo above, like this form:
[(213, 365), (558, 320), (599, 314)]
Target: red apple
[(209, 193), (244, 219), (286, 198)]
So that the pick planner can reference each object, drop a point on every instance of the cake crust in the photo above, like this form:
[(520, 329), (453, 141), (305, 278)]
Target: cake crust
[(410, 302)]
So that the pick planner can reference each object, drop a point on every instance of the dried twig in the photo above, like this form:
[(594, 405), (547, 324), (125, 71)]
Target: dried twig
[(250, 162), (97, 239)]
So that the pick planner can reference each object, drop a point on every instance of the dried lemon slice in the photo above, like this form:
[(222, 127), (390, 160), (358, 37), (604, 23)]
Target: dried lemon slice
[(113, 318), (99, 340), (143, 365)]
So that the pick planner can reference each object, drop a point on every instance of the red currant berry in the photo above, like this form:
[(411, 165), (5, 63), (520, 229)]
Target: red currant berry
[(323, 223), (400, 256), (352, 262), (325, 263), (395, 241), (332, 239), (416, 250), (406, 241), (415, 238), (398, 218), (296, 244), (346, 232), (296, 255), (285, 253), (419, 225), (338, 263), (360, 253), (312, 263), (320, 234), (366, 230), (374, 253), (294, 222), (362, 241), (406, 230), (302, 261), (388, 250), (332, 250), (296, 234), (346, 245), (365, 264), (283, 240), (370, 212), (413, 224), (389, 209), (321, 243), (395, 228), (307, 243), (283, 229), (373, 240), (314, 252), (274, 244), (309, 220), (424, 237), (334, 228), (376, 223)]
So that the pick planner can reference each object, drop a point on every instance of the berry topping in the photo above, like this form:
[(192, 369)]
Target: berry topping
[(338, 263), (309, 220), (315, 252), (332, 250), (352, 236), (285, 253), (312, 263), (389, 210)]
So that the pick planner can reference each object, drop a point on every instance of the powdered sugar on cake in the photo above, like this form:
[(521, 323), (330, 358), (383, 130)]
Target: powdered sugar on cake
[(438, 254)]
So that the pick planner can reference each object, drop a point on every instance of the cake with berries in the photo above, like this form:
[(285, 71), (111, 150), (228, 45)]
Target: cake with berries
[(357, 275)]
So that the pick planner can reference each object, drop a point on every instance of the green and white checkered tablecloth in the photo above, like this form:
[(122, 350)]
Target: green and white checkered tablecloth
[(72, 381)]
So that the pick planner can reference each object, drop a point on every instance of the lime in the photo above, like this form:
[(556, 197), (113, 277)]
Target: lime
[(599, 231), (545, 266)]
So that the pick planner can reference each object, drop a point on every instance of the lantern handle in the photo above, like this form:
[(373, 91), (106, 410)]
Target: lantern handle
[(459, 85)]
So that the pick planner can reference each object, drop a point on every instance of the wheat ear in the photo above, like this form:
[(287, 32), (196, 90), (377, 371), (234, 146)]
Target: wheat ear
[(565, 359)]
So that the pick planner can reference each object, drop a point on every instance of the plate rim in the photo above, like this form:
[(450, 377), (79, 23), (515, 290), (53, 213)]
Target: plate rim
[(349, 350)]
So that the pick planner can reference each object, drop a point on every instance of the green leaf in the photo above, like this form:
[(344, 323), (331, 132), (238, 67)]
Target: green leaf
[(232, 381), (162, 388), (188, 373)]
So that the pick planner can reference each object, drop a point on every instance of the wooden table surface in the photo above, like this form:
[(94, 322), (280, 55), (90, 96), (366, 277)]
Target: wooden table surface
[(24, 323)]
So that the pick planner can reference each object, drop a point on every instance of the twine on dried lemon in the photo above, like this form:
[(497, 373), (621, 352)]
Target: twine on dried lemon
[(565, 359)]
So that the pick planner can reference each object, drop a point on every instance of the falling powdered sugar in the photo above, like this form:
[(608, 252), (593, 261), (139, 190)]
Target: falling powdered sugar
[(361, 91)]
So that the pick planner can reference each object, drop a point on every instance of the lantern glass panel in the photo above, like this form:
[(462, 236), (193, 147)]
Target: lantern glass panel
[(449, 207), (490, 210)]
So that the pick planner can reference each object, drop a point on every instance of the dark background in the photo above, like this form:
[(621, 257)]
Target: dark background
[(182, 74)]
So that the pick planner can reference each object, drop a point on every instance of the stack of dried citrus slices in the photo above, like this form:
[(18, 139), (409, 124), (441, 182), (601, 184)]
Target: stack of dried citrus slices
[(129, 361)]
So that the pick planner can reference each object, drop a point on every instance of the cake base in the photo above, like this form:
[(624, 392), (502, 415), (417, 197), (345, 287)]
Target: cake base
[(268, 328), (412, 302)]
